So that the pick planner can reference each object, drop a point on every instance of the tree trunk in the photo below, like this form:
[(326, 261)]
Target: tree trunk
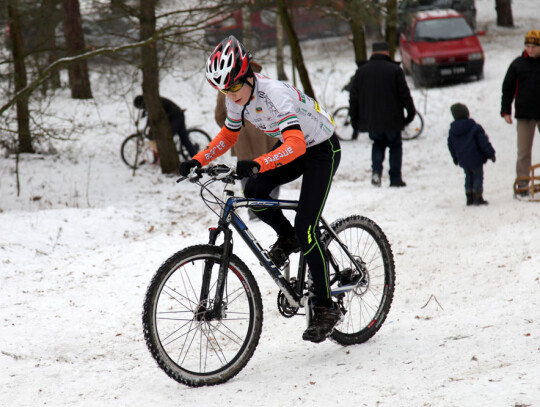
[(504, 13), (23, 115), (296, 51), (79, 81), (49, 14), (391, 26), (359, 41), (246, 27), (280, 43), (161, 129)]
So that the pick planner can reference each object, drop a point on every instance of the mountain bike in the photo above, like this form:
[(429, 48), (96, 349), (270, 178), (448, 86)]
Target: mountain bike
[(139, 148), (344, 129), (202, 314)]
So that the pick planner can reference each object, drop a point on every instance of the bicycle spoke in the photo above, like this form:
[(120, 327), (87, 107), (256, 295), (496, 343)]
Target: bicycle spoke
[(193, 340)]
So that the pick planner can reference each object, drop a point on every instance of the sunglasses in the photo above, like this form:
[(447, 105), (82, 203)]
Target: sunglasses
[(233, 89)]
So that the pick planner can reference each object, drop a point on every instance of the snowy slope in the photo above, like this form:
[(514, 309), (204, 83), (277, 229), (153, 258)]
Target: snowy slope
[(79, 246)]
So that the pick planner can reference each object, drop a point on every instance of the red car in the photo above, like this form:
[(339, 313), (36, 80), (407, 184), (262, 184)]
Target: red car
[(439, 45), (308, 23)]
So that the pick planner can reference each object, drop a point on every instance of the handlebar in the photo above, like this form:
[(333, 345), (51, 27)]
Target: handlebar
[(218, 172)]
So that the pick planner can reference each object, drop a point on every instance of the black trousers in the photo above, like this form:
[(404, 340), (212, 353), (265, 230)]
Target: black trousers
[(317, 167), (392, 140), (178, 126)]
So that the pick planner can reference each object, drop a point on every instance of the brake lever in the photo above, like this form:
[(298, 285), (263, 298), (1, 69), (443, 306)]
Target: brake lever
[(193, 176), (223, 175)]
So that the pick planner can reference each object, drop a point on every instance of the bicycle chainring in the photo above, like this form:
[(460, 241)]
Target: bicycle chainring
[(285, 309)]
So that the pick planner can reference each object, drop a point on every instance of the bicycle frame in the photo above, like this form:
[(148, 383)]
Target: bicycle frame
[(228, 216)]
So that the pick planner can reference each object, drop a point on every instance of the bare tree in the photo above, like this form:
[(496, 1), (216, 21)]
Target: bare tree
[(504, 13), (350, 11), (23, 116), (391, 26), (161, 129), (246, 26), (363, 17), (79, 80), (296, 51), (49, 17), (280, 43)]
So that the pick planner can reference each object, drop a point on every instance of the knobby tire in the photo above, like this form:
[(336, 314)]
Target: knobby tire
[(187, 347), (368, 305)]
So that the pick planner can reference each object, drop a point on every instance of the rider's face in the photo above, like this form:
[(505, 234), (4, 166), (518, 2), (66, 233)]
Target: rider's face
[(242, 96)]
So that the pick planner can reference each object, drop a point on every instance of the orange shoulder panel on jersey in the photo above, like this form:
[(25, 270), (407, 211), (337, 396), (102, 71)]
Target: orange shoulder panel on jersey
[(218, 146), (294, 145)]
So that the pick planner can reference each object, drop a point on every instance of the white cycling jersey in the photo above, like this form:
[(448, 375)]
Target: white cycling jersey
[(276, 105)]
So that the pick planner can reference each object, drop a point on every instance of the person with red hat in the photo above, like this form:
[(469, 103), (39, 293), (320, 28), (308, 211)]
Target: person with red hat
[(521, 85)]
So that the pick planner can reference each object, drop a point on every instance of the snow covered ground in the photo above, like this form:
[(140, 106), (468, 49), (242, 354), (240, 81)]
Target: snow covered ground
[(80, 244)]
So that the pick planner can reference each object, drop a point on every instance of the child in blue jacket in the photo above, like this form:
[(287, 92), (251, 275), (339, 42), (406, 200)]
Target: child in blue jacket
[(470, 148)]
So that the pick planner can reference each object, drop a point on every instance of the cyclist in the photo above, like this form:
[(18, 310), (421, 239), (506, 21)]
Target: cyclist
[(308, 147), (176, 120)]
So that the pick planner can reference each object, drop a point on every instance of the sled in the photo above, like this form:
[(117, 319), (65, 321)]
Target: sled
[(532, 191)]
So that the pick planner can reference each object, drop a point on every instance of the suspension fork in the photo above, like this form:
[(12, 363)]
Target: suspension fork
[(206, 310)]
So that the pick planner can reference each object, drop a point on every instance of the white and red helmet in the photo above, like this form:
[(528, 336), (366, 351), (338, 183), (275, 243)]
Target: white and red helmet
[(228, 64)]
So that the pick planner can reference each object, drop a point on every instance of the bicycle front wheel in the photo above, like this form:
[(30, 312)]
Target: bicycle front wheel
[(344, 130), (135, 152), (188, 340), (199, 138), (369, 303), (414, 128)]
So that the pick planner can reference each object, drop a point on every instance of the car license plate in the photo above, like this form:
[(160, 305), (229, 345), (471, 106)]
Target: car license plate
[(456, 70)]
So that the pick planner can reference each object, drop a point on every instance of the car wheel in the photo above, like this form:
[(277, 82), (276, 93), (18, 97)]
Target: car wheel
[(417, 77), (480, 76)]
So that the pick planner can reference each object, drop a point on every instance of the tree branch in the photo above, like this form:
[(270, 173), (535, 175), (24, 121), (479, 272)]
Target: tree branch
[(67, 60)]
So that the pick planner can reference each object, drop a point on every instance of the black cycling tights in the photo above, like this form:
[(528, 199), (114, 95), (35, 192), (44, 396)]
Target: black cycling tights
[(317, 166)]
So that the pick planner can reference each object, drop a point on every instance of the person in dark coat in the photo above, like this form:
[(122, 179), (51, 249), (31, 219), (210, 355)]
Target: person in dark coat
[(522, 84), (175, 115), (470, 149), (378, 98)]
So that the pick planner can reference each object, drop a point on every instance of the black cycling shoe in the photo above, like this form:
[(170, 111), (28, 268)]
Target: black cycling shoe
[(322, 324), (398, 183), (280, 251)]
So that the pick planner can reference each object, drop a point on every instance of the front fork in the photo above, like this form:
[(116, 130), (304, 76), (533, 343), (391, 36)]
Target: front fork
[(210, 309)]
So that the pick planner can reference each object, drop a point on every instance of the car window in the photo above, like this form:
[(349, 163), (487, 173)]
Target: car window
[(442, 3), (442, 29)]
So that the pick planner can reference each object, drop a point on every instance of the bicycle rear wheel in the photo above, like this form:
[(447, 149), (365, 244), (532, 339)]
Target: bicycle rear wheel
[(134, 152), (369, 303), (199, 138), (414, 128), (344, 130), (189, 345)]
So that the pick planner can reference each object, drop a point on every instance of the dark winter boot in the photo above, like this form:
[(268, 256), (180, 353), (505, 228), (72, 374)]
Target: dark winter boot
[(284, 246), (376, 179), (469, 197), (479, 200), (322, 324)]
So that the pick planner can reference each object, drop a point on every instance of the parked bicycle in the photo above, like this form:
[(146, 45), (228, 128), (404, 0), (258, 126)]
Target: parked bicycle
[(140, 148), (344, 129), (202, 314)]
